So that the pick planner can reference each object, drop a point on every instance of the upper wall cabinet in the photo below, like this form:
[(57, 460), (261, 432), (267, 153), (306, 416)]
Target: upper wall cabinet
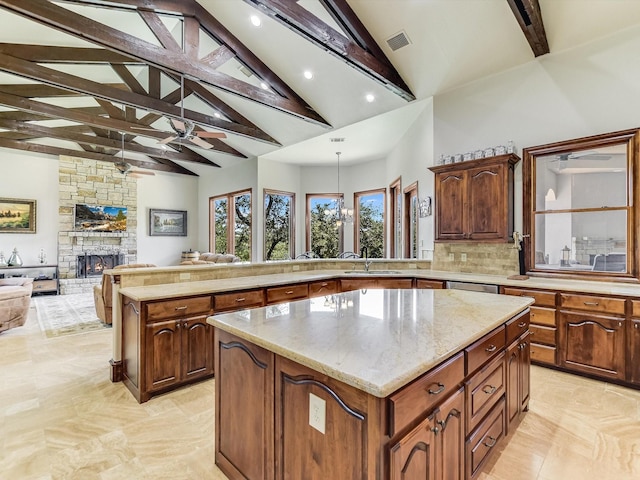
[(580, 211), (474, 200)]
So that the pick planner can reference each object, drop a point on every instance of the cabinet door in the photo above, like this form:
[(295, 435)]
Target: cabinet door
[(592, 344), (634, 351), (486, 199), (525, 372), (451, 211), (162, 355), (414, 456), (196, 348), (450, 423), (513, 381), (245, 410)]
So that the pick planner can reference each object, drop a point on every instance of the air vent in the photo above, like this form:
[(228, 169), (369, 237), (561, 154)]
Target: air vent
[(398, 41), (337, 139), (245, 70)]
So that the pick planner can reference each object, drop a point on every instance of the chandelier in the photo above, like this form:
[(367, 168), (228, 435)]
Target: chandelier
[(342, 213)]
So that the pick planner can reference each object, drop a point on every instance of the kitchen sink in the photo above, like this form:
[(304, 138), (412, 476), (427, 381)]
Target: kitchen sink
[(372, 272)]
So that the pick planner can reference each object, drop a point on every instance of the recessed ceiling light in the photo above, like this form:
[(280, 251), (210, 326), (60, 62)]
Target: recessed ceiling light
[(370, 98), (217, 115), (264, 86), (308, 74), (255, 21)]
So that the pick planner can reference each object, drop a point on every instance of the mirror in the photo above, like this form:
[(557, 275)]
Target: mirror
[(580, 206)]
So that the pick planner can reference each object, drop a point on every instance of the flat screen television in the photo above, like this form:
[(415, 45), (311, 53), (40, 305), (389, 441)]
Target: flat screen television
[(100, 218)]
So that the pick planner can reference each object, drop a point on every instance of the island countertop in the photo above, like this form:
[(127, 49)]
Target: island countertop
[(375, 340)]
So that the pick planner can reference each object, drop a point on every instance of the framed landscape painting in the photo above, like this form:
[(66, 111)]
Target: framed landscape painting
[(167, 222), (17, 216)]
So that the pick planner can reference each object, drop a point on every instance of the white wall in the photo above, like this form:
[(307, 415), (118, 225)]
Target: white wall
[(588, 90)]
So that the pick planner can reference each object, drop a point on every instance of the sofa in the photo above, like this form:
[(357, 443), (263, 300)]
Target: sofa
[(102, 293), (208, 258), (15, 297)]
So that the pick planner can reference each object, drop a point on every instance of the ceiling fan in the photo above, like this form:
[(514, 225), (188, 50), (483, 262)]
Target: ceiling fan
[(184, 129), (126, 168)]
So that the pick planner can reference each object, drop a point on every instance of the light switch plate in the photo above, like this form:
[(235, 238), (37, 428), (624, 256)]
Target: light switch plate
[(452, 257), (463, 257), (317, 412)]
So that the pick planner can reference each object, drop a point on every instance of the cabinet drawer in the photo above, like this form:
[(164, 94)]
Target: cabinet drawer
[(517, 326), (484, 390), (45, 285), (238, 300), (547, 299), (541, 334), (323, 287), (349, 284), (287, 293), (415, 399), (543, 353), (543, 316), (484, 349), (635, 308), (433, 284), (592, 303), (485, 440), (181, 307)]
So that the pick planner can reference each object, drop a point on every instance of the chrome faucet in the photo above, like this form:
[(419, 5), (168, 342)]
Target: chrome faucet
[(364, 253)]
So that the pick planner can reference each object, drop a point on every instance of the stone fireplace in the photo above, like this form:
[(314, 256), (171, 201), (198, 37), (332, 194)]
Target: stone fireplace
[(91, 182)]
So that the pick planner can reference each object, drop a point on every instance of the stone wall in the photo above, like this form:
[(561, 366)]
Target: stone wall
[(488, 258), (93, 183)]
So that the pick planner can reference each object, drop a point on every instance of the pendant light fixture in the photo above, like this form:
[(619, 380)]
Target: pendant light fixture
[(342, 213)]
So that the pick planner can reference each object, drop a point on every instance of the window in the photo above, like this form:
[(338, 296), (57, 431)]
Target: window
[(369, 219), (395, 194), (278, 225), (231, 209), (411, 221), (579, 206), (324, 235)]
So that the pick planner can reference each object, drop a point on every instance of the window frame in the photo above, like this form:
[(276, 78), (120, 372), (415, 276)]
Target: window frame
[(356, 219), (292, 220), (307, 219), (410, 192), (631, 138), (231, 220), (395, 218)]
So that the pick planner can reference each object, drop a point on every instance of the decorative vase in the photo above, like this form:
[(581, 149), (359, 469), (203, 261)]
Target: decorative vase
[(3, 262), (14, 259)]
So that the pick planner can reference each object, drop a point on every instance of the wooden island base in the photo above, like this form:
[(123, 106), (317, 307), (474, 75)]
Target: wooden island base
[(277, 419)]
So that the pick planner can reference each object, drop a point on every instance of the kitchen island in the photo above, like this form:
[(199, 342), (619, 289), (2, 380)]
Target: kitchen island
[(369, 384)]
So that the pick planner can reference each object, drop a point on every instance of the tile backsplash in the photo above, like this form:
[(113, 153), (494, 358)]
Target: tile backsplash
[(488, 258)]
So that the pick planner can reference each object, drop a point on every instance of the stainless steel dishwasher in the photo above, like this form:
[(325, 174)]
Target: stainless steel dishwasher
[(474, 287)]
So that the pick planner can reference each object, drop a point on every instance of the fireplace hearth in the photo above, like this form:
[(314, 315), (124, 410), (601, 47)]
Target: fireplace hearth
[(92, 265)]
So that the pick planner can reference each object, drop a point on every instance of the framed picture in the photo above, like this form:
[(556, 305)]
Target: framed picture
[(17, 216), (167, 222)]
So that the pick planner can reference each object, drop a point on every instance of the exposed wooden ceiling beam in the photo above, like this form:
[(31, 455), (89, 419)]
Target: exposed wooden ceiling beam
[(358, 51), (51, 150), (529, 17), (49, 76), (52, 15)]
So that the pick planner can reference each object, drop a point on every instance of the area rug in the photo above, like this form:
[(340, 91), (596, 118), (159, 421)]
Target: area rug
[(60, 315)]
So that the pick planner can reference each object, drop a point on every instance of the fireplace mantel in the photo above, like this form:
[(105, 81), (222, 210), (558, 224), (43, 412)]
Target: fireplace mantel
[(97, 234)]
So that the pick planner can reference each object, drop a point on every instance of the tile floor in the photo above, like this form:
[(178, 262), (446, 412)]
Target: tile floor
[(61, 418)]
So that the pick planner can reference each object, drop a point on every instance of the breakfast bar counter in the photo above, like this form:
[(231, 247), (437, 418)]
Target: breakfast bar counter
[(356, 384)]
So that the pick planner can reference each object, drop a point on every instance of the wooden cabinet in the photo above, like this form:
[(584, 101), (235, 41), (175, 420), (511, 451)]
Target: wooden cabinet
[(323, 287), (518, 359), (474, 200), (226, 302), (287, 293), (166, 344), (592, 335), (435, 448), (484, 440), (371, 281), (245, 373), (543, 340)]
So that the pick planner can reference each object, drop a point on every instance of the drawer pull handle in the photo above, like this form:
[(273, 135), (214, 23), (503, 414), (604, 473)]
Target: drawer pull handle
[(491, 443), (184, 307), (324, 284), (439, 390), (635, 326), (289, 292), (241, 299), (522, 324), (443, 423), (185, 325), (490, 349), (178, 325), (489, 389), (595, 304)]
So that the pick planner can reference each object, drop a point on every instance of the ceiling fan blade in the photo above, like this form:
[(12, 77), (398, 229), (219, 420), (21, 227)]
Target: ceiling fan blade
[(178, 124), (168, 139), (203, 134), (140, 172), (146, 129), (201, 143)]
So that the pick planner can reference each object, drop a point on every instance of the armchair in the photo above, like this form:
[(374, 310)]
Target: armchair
[(15, 297)]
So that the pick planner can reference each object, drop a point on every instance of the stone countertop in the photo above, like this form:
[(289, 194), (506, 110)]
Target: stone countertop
[(164, 291), (379, 340)]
